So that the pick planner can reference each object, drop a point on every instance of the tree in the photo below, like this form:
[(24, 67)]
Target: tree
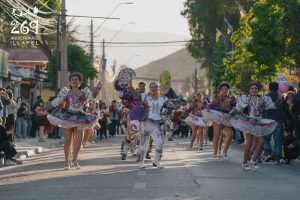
[(218, 68), (268, 42), (261, 58), (204, 17), (292, 28), (78, 61)]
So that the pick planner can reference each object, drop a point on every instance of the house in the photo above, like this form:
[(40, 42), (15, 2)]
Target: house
[(26, 73)]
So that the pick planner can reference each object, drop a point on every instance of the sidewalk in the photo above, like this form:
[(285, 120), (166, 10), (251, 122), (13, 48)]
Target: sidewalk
[(31, 146)]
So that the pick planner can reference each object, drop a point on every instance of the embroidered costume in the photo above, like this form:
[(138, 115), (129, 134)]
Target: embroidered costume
[(195, 117), (218, 109), (155, 127), (69, 111), (134, 111), (253, 123)]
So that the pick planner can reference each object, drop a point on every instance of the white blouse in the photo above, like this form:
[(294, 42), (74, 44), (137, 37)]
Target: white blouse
[(76, 102), (255, 107)]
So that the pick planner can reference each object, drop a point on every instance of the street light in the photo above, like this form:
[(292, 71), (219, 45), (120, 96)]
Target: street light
[(122, 3), (117, 33), (131, 59)]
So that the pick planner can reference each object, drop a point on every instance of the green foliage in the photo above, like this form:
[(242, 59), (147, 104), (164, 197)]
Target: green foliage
[(204, 17), (271, 29), (218, 68), (244, 65), (268, 42), (78, 61), (265, 55), (292, 28)]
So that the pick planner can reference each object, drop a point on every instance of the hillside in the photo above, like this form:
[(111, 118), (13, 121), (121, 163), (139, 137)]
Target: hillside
[(180, 64)]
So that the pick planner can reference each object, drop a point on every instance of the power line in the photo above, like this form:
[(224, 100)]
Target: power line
[(155, 42), (144, 46), (85, 16)]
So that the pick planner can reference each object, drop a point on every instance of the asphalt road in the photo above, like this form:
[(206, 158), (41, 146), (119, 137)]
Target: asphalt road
[(187, 175)]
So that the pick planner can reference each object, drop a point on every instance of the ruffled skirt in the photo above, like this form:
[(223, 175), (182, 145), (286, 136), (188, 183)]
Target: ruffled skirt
[(253, 126), (73, 119), (216, 117), (193, 120)]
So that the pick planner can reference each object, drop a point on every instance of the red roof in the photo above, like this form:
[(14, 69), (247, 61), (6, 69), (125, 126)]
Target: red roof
[(26, 54)]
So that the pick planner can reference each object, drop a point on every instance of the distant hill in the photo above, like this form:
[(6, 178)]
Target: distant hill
[(180, 64), (182, 67)]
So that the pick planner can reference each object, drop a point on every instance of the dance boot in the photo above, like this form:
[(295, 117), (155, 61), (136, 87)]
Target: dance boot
[(142, 162), (156, 161)]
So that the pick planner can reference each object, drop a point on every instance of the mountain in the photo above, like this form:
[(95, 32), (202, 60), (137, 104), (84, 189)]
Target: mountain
[(180, 64)]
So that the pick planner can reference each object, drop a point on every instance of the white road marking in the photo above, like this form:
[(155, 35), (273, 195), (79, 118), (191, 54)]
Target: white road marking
[(141, 173), (141, 185)]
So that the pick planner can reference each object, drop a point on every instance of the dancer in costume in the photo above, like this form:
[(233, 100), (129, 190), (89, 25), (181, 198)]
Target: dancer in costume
[(218, 109), (142, 96), (134, 109), (69, 115), (195, 119), (252, 124), (153, 126), (166, 90), (90, 132)]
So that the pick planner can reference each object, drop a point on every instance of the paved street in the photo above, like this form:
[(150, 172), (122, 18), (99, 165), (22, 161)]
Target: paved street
[(187, 175)]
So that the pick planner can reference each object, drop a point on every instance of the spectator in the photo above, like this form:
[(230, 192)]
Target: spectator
[(7, 147), (291, 148), (103, 121), (4, 101), (113, 116), (11, 109), (278, 115), (118, 124), (289, 125), (295, 111), (22, 116)]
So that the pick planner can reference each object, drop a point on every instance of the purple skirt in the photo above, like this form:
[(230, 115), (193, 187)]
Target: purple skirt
[(253, 126), (73, 119)]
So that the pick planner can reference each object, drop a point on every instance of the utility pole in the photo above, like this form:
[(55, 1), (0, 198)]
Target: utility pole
[(64, 81), (196, 81), (103, 68), (92, 50), (57, 52)]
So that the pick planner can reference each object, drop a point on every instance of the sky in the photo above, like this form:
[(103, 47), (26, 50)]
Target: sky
[(150, 17)]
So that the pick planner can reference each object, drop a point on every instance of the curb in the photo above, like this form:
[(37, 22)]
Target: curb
[(31, 148)]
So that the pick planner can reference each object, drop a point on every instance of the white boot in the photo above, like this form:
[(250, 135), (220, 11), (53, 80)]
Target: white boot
[(156, 161), (142, 163)]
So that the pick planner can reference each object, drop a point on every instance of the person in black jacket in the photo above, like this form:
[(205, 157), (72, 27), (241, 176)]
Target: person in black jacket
[(278, 115), (7, 147), (295, 111)]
